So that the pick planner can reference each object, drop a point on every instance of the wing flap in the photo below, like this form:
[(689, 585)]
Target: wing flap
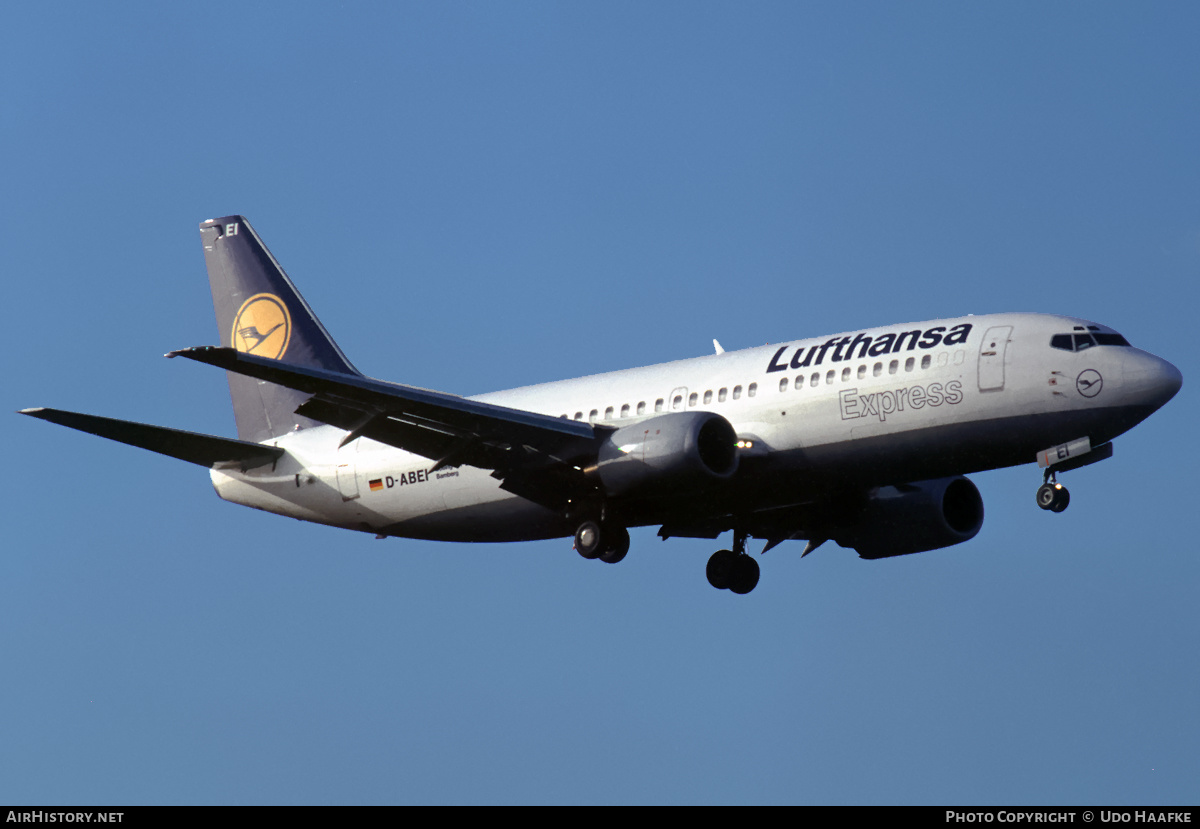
[(205, 450)]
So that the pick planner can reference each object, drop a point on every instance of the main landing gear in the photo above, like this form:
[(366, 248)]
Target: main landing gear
[(733, 570), (603, 540), (1052, 495)]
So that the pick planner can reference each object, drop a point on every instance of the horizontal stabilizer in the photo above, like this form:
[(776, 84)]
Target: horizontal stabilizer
[(205, 450)]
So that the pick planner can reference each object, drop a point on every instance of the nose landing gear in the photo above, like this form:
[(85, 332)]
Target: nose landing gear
[(1075, 454), (1052, 495)]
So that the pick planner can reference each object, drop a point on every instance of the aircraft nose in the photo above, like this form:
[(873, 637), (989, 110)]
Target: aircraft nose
[(1154, 380)]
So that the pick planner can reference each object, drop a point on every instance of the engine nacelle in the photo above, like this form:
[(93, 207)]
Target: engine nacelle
[(914, 518), (680, 449)]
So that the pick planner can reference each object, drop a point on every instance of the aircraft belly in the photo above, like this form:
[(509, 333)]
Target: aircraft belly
[(505, 519), (932, 451), (450, 504)]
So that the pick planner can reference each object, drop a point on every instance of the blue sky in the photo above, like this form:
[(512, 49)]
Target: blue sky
[(477, 196)]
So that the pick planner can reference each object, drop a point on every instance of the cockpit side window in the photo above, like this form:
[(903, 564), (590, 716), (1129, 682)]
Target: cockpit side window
[(1111, 339), (1062, 341)]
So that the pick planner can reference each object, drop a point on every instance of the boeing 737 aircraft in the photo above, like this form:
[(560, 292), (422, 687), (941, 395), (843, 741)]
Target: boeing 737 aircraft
[(861, 437)]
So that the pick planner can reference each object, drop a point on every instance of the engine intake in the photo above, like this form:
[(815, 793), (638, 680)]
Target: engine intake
[(681, 449), (916, 517)]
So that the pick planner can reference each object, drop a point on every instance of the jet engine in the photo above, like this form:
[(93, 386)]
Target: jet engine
[(914, 518), (680, 449)]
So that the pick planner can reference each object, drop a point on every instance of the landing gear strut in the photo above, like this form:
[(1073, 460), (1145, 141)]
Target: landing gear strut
[(1052, 495), (733, 570)]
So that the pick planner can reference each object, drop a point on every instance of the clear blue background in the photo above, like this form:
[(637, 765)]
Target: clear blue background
[(476, 196)]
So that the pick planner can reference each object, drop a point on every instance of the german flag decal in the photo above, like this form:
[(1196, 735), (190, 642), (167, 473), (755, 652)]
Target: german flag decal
[(376, 484)]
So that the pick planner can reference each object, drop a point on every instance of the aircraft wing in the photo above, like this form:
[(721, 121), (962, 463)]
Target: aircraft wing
[(534, 455)]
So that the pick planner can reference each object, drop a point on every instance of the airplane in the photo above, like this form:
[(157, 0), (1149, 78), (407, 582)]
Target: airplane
[(863, 437)]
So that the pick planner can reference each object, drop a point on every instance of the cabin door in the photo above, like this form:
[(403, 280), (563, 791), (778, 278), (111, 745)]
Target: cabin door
[(991, 358)]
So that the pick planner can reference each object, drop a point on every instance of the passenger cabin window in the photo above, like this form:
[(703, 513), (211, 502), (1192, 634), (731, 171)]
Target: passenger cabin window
[(910, 363), (608, 413), (877, 370), (752, 390), (893, 366), (862, 371), (815, 380), (677, 402), (783, 384), (579, 415), (641, 410), (693, 399), (721, 396), (737, 392), (845, 374), (625, 410), (707, 397), (926, 361), (592, 415), (658, 405)]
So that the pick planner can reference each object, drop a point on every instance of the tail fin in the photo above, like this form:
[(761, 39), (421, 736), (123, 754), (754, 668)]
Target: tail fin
[(259, 311)]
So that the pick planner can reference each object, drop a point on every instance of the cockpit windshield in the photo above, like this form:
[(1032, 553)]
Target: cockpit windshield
[(1084, 338)]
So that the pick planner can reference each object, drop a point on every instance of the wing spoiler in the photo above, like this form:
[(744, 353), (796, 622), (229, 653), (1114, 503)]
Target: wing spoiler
[(448, 414)]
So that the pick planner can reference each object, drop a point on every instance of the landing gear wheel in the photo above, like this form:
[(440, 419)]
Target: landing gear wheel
[(721, 568), (745, 575), (1045, 496), (1062, 501), (589, 539), (616, 545), (735, 572), (1053, 497)]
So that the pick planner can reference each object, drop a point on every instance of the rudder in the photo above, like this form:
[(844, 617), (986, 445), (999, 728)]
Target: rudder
[(259, 311)]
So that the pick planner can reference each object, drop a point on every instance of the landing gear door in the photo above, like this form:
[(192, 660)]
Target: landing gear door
[(991, 358)]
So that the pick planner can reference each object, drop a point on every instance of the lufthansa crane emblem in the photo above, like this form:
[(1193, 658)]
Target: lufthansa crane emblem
[(1089, 382), (262, 327)]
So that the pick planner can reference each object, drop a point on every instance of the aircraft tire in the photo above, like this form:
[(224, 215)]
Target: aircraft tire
[(1062, 499), (589, 539), (1046, 496), (721, 567), (745, 575), (616, 545)]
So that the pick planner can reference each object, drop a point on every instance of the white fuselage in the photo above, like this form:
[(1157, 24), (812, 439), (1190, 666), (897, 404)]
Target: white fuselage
[(860, 409)]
